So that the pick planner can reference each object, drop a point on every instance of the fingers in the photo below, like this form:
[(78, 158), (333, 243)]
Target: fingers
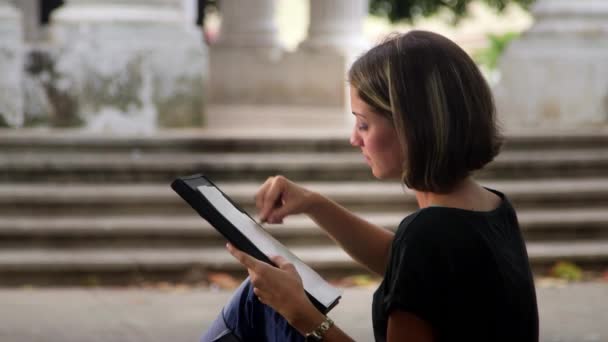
[(257, 269), (279, 214), (278, 198), (244, 258), (260, 195), (272, 194), (272, 198), (279, 261)]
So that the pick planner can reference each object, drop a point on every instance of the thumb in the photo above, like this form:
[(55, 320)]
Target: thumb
[(283, 264), (281, 212)]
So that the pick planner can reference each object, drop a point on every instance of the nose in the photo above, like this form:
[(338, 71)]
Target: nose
[(355, 139)]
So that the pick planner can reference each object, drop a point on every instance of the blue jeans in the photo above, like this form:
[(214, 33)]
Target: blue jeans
[(245, 318)]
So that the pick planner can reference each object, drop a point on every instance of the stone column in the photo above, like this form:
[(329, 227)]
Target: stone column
[(11, 66), (336, 25), (30, 17), (556, 74), (248, 24), (255, 83), (127, 65)]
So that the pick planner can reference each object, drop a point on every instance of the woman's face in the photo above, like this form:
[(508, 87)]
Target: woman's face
[(377, 138)]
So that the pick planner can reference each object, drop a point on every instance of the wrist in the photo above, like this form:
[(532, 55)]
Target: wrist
[(318, 334), (315, 201), (307, 319)]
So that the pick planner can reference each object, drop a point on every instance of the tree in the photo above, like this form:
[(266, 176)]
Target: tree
[(397, 10)]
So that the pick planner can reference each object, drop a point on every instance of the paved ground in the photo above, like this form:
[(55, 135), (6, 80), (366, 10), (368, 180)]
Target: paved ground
[(574, 313)]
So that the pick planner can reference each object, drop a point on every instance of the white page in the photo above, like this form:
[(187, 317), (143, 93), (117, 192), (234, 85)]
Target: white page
[(313, 283)]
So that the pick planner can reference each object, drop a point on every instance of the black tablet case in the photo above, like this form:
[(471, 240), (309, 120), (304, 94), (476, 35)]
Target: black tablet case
[(187, 188)]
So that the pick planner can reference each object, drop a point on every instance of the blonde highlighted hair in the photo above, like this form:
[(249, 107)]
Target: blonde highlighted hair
[(439, 103)]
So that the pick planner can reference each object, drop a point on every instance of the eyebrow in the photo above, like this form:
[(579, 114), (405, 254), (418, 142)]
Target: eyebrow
[(359, 114)]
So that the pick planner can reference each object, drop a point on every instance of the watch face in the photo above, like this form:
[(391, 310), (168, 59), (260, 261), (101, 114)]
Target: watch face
[(317, 334)]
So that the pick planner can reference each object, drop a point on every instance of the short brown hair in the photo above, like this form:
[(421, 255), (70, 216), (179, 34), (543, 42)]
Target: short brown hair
[(440, 105)]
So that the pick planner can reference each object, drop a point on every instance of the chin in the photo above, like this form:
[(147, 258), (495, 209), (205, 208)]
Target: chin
[(384, 175), (378, 174)]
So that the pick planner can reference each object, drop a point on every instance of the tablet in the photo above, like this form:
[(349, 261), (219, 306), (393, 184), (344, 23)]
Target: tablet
[(246, 234)]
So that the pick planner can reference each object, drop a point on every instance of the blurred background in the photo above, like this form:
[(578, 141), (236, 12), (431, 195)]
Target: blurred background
[(103, 103)]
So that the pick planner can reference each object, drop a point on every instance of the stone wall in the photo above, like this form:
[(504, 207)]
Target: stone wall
[(305, 88), (119, 66), (11, 65), (556, 75)]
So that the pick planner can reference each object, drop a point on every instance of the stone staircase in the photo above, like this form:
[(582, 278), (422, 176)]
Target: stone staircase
[(80, 209)]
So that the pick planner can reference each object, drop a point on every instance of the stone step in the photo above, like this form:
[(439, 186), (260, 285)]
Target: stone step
[(183, 140), (216, 140), (178, 231), (344, 166), (145, 199), (51, 266)]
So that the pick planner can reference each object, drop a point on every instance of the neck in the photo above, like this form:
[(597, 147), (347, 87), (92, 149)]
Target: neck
[(466, 195)]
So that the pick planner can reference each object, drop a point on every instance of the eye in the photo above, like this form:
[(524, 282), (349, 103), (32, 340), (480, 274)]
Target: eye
[(362, 127)]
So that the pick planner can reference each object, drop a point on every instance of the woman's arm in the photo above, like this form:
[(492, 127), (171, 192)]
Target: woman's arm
[(405, 326), (310, 318), (402, 327), (365, 242)]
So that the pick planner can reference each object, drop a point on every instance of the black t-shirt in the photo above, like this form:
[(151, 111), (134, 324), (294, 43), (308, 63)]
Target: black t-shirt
[(464, 272)]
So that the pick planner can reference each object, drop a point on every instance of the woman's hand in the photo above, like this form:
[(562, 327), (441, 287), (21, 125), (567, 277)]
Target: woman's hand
[(280, 288), (279, 197)]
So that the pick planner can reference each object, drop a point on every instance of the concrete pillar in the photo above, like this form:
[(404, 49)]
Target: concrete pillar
[(255, 83), (127, 65), (30, 17), (249, 24), (11, 66), (336, 25), (556, 74)]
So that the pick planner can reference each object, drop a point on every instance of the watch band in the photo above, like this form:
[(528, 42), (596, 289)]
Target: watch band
[(319, 332)]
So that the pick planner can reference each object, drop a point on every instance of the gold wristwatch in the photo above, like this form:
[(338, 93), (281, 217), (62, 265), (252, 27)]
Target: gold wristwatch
[(319, 332)]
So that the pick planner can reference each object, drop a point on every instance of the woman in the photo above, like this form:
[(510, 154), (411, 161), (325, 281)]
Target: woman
[(456, 269)]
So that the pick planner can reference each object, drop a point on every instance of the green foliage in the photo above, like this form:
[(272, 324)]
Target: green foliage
[(567, 271), (397, 10), (3, 122), (489, 57)]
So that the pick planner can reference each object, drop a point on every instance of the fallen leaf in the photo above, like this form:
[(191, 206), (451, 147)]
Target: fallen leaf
[(223, 281), (359, 280)]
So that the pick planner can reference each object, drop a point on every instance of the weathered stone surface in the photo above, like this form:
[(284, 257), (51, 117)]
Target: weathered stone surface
[(249, 66), (249, 24), (336, 25), (77, 205), (128, 66), (556, 75), (263, 117), (263, 77), (11, 64), (46, 104)]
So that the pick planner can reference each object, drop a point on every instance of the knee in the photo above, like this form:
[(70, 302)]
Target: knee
[(224, 336), (235, 318), (243, 304), (244, 314)]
